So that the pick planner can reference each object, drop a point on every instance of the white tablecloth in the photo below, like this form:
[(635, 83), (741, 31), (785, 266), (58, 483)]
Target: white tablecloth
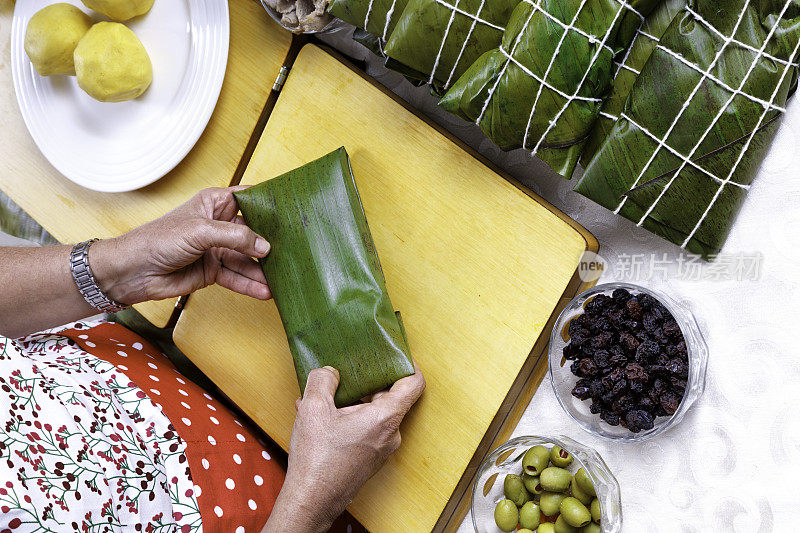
[(731, 466)]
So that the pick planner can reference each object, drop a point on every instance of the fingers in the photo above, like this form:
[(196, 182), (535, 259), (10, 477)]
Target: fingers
[(242, 284), (322, 384), (219, 234), (403, 394), (242, 264)]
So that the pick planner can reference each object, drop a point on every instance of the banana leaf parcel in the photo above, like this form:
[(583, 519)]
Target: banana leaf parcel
[(442, 38), (378, 17), (542, 88), (325, 277), (627, 70), (698, 120)]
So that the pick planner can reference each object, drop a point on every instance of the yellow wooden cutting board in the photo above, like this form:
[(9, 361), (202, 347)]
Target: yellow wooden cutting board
[(475, 264), (258, 49)]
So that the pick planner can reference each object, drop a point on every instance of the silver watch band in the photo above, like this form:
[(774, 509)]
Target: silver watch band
[(87, 285)]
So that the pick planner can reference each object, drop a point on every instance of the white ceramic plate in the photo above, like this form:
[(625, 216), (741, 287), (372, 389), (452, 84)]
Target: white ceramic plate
[(115, 147)]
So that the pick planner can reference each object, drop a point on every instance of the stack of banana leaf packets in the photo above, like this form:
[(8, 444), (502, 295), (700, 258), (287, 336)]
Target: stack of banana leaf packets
[(668, 105)]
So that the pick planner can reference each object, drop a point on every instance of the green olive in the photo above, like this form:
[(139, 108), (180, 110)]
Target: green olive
[(524, 530), (560, 457), (574, 512), (595, 510), (555, 479), (585, 483), (578, 493), (506, 515), (535, 460), (550, 502), (530, 516), (546, 527), (532, 484), (592, 527), (514, 489), (562, 526)]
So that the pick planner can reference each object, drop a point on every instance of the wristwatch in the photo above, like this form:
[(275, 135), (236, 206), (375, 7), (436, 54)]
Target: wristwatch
[(87, 285)]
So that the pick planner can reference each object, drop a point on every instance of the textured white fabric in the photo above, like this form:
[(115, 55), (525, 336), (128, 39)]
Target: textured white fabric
[(728, 466)]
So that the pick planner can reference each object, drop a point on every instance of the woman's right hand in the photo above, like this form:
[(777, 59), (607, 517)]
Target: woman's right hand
[(333, 452)]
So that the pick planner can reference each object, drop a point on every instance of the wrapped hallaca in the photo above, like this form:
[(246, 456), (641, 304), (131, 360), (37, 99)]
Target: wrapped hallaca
[(377, 17), (627, 69), (441, 38), (542, 88), (698, 120), (326, 279)]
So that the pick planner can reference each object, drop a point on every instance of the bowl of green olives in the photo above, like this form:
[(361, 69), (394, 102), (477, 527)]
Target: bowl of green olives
[(627, 362), (545, 485)]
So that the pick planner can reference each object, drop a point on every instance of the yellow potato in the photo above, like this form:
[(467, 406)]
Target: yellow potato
[(120, 10), (52, 35), (111, 63)]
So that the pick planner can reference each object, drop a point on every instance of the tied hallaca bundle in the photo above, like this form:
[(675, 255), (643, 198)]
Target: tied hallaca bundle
[(542, 88), (440, 39), (378, 17), (326, 278), (627, 70), (698, 120)]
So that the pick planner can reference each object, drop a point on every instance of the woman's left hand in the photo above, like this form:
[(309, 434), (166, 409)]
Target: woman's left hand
[(197, 244)]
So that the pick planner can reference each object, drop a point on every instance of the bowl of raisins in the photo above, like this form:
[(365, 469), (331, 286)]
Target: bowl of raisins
[(627, 362)]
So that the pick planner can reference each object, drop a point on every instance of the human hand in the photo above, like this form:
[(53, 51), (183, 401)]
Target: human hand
[(197, 244), (333, 452)]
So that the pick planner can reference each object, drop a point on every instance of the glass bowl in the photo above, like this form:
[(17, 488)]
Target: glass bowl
[(563, 379), (507, 459), (331, 27)]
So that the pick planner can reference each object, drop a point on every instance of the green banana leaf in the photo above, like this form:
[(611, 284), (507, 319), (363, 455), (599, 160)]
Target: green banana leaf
[(569, 45), (326, 278), (378, 17), (628, 68), (689, 188), (442, 38)]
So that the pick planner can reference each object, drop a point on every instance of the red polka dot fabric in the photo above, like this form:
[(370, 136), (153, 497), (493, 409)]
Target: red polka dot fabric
[(236, 480)]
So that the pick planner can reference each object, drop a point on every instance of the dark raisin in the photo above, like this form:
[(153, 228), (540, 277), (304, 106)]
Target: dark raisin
[(581, 393), (678, 385), (647, 301), (602, 358), (634, 309), (647, 351), (619, 387), (618, 359), (623, 404), (575, 368), (610, 418), (640, 419), (650, 322), (672, 329), (575, 324), (637, 386), (659, 386), (678, 368), (602, 340), (621, 295), (595, 408), (598, 303), (587, 367), (635, 372), (669, 402), (646, 404), (579, 337), (628, 341)]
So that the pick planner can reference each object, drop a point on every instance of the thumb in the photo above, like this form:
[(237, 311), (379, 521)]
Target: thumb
[(322, 383)]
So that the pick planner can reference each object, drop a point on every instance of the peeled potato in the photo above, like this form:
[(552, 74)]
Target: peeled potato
[(111, 63), (119, 10), (52, 35)]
